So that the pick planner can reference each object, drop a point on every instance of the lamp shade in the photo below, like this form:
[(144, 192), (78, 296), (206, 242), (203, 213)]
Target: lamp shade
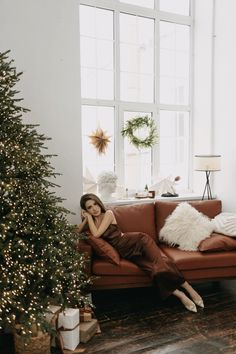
[(207, 162)]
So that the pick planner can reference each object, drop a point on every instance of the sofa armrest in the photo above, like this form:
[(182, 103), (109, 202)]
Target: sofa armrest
[(83, 247)]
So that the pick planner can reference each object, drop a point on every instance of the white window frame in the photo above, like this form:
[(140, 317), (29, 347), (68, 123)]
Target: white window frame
[(155, 107)]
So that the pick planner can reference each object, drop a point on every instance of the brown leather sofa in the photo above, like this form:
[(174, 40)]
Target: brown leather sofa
[(149, 218)]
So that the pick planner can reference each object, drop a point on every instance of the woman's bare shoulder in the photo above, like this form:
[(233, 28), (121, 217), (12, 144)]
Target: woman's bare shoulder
[(111, 215)]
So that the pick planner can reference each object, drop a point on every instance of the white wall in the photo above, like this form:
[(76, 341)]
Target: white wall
[(225, 100), (44, 42), (202, 88), (215, 95)]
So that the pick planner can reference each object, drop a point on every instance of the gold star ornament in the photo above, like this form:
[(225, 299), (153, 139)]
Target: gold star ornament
[(99, 139)]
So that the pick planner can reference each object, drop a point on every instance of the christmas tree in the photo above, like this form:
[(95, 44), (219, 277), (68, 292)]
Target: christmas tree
[(38, 257)]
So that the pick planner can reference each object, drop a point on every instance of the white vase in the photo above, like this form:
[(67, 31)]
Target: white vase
[(106, 191)]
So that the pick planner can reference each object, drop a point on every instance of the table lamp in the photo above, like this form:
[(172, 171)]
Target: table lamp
[(208, 164)]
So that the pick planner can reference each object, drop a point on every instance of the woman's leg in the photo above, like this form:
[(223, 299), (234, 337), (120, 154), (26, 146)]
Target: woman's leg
[(188, 304), (193, 294), (142, 250)]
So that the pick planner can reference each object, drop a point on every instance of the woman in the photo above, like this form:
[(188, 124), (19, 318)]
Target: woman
[(140, 249)]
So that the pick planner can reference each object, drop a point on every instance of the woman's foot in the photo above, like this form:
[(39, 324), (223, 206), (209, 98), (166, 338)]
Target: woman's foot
[(188, 304), (193, 294)]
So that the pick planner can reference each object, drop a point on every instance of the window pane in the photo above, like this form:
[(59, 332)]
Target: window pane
[(97, 51), (176, 6), (174, 63), (135, 177), (174, 145), (136, 58), (94, 117), (144, 3), (96, 23)]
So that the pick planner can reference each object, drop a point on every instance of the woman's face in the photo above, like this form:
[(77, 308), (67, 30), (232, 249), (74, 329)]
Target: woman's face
[(92, 207)]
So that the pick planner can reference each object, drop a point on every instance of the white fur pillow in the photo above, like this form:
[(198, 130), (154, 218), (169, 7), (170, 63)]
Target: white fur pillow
[(186, 227), (225, 223)]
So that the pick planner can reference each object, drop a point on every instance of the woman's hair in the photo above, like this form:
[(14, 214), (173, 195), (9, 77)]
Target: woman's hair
[(91, 196)]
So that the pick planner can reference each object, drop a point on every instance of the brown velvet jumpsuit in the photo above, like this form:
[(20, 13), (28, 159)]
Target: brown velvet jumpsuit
[(142, 250)]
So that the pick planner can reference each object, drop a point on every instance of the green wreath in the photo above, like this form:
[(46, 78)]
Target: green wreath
[(137, 123)]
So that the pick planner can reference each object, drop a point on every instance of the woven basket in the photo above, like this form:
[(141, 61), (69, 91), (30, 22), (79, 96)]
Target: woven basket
[(36, 345)]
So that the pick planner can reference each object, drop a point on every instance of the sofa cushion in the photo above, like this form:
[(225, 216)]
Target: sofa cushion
[(210, 208), (186, 227), (101, 267), (217, 242), (187, 260), (225, 223), (137, 217), (104, 250)]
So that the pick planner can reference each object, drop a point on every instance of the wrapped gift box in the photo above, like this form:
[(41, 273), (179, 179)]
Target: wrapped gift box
[(70, 338), (51, 314), (85, 317), (87, 330), (86, 314), (69, 318)]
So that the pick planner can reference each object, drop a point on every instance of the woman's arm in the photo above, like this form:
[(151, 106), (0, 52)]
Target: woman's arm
[(108, 219)]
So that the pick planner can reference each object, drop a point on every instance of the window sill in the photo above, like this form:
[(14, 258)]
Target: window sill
[(127, 201)]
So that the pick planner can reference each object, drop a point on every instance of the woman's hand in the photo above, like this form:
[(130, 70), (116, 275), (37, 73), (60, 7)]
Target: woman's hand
[(81, 226), (85, 214)]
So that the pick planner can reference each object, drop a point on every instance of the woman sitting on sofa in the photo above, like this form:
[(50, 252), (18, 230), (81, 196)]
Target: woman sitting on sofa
[(140, 249)]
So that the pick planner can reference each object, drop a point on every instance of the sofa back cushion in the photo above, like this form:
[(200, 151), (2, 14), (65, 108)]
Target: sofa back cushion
[(136, 217), (210, 208)]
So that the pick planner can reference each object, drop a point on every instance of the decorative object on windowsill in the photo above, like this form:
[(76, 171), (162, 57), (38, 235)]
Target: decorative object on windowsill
[(166, 187), (145, 194), (107, 183), (152, 194), (90, 185), (140, 125), (141, 195), (99, 139), (208, 164)]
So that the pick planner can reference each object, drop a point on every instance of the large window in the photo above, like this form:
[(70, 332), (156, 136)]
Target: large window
[(135, 60), (97, 53)]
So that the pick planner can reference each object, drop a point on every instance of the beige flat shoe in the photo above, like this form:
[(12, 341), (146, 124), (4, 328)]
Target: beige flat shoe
[(199, 303), (191, 307)]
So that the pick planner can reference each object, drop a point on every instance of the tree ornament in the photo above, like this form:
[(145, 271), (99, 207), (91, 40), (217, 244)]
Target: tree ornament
[(136, 123), (99, 140)]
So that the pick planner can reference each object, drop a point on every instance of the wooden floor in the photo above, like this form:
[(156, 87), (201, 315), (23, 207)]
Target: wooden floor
[(137, 321)]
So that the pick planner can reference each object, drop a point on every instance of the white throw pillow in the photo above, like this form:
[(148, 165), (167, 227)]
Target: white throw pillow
[(225, 223), (186, 227)]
